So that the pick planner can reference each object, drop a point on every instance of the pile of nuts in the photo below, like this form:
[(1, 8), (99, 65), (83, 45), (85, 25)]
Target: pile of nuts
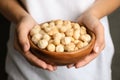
[(60, 36)]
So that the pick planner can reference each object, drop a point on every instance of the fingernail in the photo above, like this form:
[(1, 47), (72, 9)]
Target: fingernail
[(70, 66), (44, 66), (97, 49), (77, 66), (25, 47), (51, 69)]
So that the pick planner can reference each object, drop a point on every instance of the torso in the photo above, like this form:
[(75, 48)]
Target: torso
[(45, 10)]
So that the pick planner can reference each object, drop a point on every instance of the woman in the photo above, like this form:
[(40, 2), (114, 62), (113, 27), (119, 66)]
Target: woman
[(26, 66)]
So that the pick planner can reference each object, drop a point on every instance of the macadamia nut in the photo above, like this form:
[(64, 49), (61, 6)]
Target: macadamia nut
[(53, 31), (70, 47), (35, 30), (59, 22), (56, 41), (46, 37), (76, 34), (82, 30), (42, 44), (85, 37), (76, 26), (63, 29), (51, 47), (66, 40), (36, 38), (60, 48), (60, 36), (43, 26), (69, 32), (80, 44), (85, 44)]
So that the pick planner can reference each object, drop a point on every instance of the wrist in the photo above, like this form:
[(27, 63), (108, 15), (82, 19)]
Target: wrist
[(94, 13), (19, 18), (102, 8)]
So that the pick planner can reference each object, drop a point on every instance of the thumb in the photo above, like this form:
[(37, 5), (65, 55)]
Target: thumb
[(23, 38), (96, 26), (98, 29), (100, 41)]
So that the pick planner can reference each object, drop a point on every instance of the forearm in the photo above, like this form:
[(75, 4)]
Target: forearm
[(102, 8), (12, 10)]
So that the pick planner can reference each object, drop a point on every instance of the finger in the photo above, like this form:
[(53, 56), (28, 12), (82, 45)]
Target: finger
[(23, 38), (37, 62), (95, 25), (70, 65), (100, 41), (16, 45), (86, 60), (99, 45), (33, 59), (51, 67)]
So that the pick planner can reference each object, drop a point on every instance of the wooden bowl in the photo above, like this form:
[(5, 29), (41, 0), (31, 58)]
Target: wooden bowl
[(62, 58)]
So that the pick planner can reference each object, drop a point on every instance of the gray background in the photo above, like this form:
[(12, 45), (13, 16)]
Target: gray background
[(114, 20)]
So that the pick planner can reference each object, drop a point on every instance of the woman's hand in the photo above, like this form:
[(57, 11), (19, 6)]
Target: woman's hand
[(92, 23), (22, 43)]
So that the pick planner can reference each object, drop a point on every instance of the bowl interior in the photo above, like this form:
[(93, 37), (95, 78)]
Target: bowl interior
[(63, 58)]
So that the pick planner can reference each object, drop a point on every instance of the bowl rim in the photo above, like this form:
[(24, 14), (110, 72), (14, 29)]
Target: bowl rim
[(32, 45)]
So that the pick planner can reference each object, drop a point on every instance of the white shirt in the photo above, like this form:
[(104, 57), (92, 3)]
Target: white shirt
[(44, 10)]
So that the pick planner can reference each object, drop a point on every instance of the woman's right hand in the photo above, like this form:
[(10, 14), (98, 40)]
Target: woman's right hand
[(21, 43)]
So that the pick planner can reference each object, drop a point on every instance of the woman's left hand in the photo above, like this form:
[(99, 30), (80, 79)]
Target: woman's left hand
[(94, 24)]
